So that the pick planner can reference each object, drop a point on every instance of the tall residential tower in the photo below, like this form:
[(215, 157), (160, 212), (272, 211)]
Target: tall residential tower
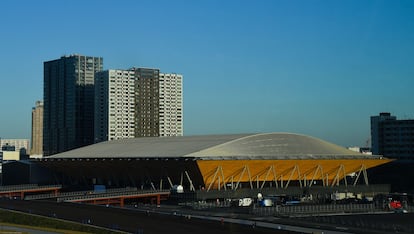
[(171, 104), (147, 102), (36, 149), (159, 103), (68, 120), (114, 105), (139, 102)]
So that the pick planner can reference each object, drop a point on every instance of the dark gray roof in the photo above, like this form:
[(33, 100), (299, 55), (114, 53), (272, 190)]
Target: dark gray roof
[(252, 146)]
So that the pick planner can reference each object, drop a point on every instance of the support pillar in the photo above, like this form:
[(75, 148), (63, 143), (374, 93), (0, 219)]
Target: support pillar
[(158, 200), (190, 181), (213, 179), (122, 202)]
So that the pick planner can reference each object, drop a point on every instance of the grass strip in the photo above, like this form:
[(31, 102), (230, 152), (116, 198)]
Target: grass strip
[(19, 219)]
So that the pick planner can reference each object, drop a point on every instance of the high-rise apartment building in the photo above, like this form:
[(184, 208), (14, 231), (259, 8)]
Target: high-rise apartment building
[(170, 104), (147, 101), (69, 92), (37, 130), (114, 105), (159, 103), (391, 137), (139, 102)]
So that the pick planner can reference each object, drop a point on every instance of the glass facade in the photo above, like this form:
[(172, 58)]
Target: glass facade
[(69, 102), (391, 137)]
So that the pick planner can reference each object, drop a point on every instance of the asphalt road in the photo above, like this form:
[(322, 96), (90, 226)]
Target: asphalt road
[(177, 220), (132, 221), (367, 223)]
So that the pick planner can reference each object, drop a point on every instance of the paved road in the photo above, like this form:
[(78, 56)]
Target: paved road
[(258, 222), (162, 220), (130, 220), (275, 226), (368, 223)]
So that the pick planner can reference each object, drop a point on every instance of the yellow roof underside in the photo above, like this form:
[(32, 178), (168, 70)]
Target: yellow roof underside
[(214, 171)]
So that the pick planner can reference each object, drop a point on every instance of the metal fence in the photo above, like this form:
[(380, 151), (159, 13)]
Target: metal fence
[(280, 210), (17, 187), (208, 205), (23, 187), (78, 193), (410, 208), (110, 195), (298, 210)]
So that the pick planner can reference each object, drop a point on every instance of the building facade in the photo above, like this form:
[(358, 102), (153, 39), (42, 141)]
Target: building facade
[(171, 105), (11, 156), (139, 102), (391, 137), (13, 149), (147, 101), (114, 105), (36, 149), (17, 145), (69, 92)]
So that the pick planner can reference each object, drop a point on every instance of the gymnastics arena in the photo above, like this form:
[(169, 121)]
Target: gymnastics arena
[(213, 162)]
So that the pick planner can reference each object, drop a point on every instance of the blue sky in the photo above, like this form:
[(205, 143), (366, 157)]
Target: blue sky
[(318, 68)]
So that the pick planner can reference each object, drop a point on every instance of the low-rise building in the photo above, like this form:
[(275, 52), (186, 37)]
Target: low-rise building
[(391, 137)]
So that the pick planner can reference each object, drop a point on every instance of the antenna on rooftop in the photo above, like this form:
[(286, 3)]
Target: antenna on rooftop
[(367, 142)]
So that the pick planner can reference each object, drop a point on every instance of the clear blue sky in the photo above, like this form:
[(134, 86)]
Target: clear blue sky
[(319, 68)]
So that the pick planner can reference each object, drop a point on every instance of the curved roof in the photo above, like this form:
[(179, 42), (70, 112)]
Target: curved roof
[(251, 146)]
